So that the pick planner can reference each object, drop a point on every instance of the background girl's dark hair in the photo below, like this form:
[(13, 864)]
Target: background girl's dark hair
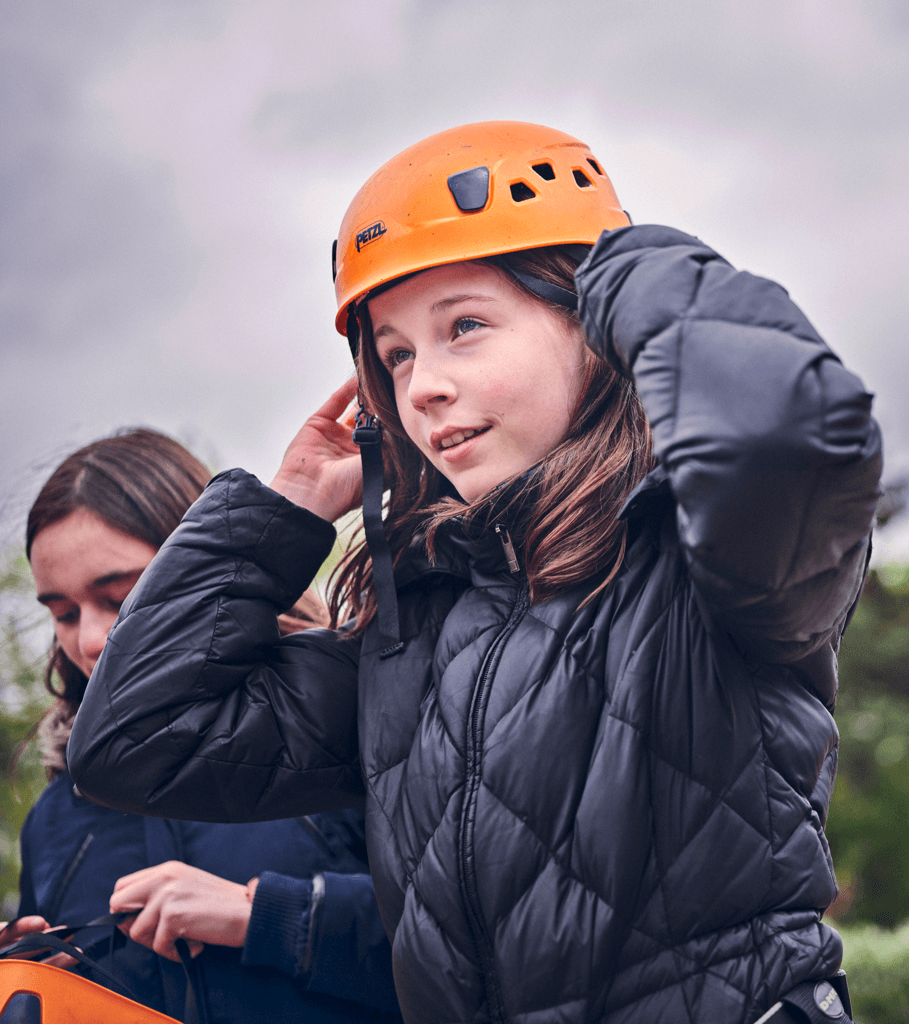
[(572, 534), (139, 482)]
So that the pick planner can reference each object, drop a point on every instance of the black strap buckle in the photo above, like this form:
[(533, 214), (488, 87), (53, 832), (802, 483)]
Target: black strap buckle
[(368, 435), (367, 429)]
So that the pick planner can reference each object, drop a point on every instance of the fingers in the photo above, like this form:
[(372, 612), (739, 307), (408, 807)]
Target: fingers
[(63, 960), (335, 406), (15, 929), (147, 892), (154, 927), (132, 892), (175, 900)]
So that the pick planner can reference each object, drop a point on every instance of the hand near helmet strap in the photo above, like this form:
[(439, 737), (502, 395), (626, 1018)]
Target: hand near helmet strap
[(368, 435)]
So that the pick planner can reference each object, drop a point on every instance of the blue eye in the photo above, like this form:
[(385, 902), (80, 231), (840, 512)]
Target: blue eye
[(466, 324)]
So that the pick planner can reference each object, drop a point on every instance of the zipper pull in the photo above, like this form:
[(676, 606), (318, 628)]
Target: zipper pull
[(508, 548)]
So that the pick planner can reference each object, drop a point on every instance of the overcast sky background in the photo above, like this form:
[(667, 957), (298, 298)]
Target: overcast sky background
[(174, 172)]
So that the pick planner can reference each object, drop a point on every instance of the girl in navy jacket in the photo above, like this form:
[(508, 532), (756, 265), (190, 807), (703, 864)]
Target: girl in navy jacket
[(282, 914)]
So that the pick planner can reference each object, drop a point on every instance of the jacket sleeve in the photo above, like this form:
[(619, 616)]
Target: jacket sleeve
[(326, 933), (197, 708), (771, 453)]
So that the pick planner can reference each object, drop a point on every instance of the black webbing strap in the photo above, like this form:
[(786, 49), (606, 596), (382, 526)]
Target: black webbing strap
[(368, 435), (545, 290), (195, 1010)]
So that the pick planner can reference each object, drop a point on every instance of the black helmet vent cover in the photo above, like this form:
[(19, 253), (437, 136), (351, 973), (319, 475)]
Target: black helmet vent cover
[(470, 188)]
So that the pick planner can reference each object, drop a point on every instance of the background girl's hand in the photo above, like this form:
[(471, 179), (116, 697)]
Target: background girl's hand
[(14, 930), (20, 926), (321, 468), (174, 900)]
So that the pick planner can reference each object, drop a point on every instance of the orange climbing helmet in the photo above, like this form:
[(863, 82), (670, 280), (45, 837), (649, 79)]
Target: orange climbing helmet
[(469, 192)]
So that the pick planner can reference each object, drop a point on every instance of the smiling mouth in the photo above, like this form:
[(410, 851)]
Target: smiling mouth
[(462, 435)]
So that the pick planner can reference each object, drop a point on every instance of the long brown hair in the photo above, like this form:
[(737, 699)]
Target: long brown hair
[(140, 483), (571, 533)]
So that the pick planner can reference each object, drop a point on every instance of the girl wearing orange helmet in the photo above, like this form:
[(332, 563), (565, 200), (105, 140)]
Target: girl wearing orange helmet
[(586, 672)]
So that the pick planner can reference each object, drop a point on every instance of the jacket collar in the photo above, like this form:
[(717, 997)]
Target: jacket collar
[(652, 490), (466, 547)]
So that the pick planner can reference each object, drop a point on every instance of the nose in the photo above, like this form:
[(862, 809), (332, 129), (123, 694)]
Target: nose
[(94, 626), (430, 382)]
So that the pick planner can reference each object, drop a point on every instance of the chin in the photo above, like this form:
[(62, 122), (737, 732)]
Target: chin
[(475, 489)]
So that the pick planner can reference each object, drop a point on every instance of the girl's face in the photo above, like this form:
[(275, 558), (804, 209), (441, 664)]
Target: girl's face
[(83, 571), (485, 379)]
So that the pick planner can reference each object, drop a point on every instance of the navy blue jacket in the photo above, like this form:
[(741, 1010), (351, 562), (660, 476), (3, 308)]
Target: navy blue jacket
[(594, 808), (322, 961)]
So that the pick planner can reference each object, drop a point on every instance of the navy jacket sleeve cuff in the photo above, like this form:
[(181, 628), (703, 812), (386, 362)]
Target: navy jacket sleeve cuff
[(279, 924), (351, 955)]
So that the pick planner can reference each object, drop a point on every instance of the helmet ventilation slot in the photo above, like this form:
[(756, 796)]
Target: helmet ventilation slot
[(581, 178), (545, 171), (520, 192), (595, 166)]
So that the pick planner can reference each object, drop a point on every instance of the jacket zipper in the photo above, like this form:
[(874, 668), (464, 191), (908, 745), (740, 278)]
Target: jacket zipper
[(469, 886), (75, 864), (507, 547)]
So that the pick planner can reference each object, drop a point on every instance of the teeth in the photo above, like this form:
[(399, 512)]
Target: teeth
[(453, 439)]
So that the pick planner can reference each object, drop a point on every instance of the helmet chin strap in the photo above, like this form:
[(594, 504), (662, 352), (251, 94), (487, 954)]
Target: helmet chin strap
[(367, 435)]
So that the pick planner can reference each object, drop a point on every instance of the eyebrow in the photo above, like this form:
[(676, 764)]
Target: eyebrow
[(437, 307), (96, 584)]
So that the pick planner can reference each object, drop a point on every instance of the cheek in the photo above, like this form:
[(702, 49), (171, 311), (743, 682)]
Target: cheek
[(410, 421), (67, 635)]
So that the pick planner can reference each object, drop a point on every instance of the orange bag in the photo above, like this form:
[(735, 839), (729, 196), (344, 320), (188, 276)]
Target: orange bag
[(36, 993)]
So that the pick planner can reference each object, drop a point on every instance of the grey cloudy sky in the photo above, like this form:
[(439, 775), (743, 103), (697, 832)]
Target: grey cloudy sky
[(174, 172)]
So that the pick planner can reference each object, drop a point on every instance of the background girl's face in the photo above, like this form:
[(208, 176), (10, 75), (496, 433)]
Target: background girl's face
[(485, 378), (83, 571)]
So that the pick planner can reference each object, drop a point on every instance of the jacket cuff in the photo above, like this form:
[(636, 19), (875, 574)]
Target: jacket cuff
[(259, 523), (279, 926)]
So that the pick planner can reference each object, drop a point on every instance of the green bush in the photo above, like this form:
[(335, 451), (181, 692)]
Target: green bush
[(868, 825), (877, 967), (23, 634)]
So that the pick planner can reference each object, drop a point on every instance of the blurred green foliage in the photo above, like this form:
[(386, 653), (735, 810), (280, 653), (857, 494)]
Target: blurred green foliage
[(877, 967), (868, 825), (23, 632)]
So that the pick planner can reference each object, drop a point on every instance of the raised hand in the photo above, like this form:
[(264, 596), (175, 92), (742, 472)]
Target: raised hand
[(321, 467), (174, 900)]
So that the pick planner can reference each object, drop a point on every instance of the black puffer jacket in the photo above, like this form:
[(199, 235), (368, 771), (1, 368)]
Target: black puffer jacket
[(606, 814)]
